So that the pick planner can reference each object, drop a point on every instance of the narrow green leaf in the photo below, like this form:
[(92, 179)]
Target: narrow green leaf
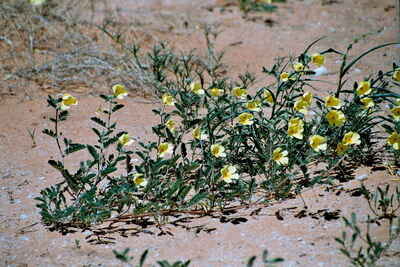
[(74, 148), (354, 61), (197, 198), (108, 171), (99, 121), (93, 152), (49, 133), (117, 107)]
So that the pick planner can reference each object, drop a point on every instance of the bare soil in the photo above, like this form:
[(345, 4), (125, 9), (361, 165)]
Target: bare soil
[(250, 42)]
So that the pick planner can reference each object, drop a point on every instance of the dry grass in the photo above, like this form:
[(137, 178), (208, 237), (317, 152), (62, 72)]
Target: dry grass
[(60, 46)]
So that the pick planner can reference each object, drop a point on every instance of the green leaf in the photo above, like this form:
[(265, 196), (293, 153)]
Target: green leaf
[(99, 121), (340, 241), (110, 141), (106, 98), (156, 111), (175, 187), (183, 150), (197, 198), (56, 164), (49, 133), (93, 152), (63, 115), (143, 258), (108, 171), (97, 132), (52, 102), (74, 148), (117, 107), (251, 261), (346, 68), (141, 155)]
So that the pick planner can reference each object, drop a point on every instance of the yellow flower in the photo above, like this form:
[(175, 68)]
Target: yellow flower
[(351, 138), (171, 125), (341, 148), (216, 92), (364, 88), (296, 128), (164, 149), (284, 77), (67, 101), (268, 96), (239, 92), (228, 173), (265, 1), (368, 102), (125, 140), (37, 2), (303, 103), (139, 180), (253, 105), (298, 66), (301, 106), (335, 118), (318, 59), (119, 91), (218, 151), (245, 118), (396, 75), (196, 88), (396, 113), (318, 143), (280, 157), (197, 134), (168, 100), (394, 140), (308, 97), (332, 102)]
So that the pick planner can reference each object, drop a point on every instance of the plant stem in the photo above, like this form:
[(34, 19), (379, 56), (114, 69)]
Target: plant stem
[(57, 136)]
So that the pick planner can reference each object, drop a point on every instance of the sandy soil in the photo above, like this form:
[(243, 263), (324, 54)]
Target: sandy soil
[(250, 42)]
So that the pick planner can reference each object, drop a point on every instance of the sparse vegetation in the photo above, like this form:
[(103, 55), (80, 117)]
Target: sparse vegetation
[(221, 144), (361, 248), (216, 144)]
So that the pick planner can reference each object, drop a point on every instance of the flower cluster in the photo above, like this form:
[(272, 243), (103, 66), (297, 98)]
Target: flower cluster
[(301, 105), (214, 137)]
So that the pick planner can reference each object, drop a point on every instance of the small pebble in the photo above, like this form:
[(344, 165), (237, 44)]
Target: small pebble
[(23, 173), (362, 177), (87, 232), (24, 238)]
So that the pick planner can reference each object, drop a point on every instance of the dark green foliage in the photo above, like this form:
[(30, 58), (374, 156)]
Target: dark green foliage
[(189, 175)]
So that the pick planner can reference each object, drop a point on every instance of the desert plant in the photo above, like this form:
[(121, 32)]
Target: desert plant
[(265, 260), (258, 5), (215, 145), (123, 256), (361, 249)]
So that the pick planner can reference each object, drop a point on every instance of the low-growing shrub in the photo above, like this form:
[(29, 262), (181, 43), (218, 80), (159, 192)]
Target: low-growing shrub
[(218, 143)]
